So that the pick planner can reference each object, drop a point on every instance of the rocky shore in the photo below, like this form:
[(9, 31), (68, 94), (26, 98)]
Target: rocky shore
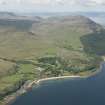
[(28, 86)]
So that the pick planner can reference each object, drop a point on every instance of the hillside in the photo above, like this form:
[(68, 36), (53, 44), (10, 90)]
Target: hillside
[(33, 48), (63, 30)]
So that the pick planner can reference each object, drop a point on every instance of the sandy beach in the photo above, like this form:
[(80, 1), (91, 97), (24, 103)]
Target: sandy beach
[(52, 78)]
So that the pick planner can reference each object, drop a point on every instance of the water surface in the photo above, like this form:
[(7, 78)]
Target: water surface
[(84, 91)]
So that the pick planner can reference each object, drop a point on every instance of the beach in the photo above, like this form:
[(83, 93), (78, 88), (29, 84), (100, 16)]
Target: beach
[(52, 78)]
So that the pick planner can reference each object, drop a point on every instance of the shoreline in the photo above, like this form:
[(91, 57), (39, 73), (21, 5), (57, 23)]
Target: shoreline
[(53, 78), (11, 98), (66, 77), (25, 88)]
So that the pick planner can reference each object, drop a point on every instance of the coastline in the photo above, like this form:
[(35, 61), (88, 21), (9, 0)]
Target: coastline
[(11, 98), (25, 88), (53, 78), (66, 77)]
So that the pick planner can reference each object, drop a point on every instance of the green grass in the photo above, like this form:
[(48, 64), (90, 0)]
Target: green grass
[(6, 68), (24, 71), (9, 81), (29, 71)]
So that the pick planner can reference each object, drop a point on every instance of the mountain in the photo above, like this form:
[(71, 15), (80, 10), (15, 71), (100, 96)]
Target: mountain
[(76, 23), (7, 14), (66, 29), (9, 20), (98, 17), (66, 45)]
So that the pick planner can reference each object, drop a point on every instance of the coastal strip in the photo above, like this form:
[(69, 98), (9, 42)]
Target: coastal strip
[(36, 82), (25, 88), (28, 87), (51, 78)]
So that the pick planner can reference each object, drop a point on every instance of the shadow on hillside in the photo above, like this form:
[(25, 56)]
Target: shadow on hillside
[(18, 24), (94, 43)]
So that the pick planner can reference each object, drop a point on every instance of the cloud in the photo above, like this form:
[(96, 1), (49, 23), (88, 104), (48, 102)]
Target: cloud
[(66, 2), (8, 2), (50, 2), (52, 5), (35, 2), (93, 2), (82, 2)]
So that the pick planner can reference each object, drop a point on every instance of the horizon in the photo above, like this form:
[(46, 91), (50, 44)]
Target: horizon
[(51, 12)]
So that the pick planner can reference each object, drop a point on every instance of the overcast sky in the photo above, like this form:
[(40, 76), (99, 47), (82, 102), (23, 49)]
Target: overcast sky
[(52, 5)]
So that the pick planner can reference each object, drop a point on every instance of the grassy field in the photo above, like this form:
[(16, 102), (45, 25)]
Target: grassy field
[(6, 67)]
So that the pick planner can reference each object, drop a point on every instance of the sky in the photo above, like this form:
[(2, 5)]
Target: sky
[(52, 5)]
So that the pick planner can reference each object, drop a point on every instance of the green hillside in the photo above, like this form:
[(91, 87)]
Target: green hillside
[(55, 46)]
